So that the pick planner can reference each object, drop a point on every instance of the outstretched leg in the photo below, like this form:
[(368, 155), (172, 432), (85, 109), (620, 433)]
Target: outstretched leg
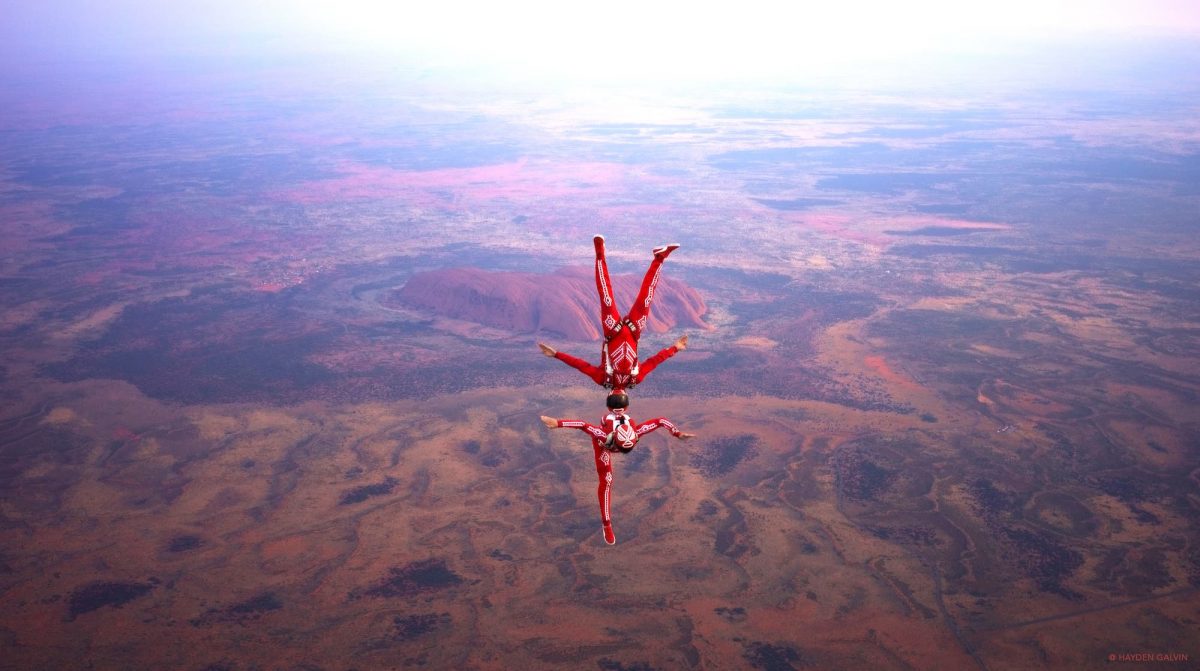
[(604, 471), (610, 318), (640, 311)]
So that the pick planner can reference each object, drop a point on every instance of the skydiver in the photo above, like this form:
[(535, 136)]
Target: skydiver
[(619, 368), (616, 434)]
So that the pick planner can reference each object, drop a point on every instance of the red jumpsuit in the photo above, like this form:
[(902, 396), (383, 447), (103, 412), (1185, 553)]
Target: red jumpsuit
[(603, 456), (619, 368)]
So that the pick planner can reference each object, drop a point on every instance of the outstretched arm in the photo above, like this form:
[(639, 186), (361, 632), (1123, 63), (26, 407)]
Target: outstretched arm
[(580, 365), (590, 429), (594, 372), (662, 422), (650, 364)]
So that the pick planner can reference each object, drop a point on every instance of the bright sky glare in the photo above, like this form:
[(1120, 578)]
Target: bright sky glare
[(621, 38)]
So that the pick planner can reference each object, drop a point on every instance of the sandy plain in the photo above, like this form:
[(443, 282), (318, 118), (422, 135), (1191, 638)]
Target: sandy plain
[(946, 419)]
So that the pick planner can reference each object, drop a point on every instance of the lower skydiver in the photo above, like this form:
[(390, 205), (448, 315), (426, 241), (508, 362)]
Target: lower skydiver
[(617, 434)]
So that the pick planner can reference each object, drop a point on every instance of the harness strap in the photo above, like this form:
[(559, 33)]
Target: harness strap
[(617, 329), (608, 369)]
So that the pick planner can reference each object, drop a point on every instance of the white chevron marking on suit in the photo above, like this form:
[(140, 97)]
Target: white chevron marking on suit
[(623, 353)]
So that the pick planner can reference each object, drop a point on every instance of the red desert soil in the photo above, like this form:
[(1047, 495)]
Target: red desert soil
[(563, 302)]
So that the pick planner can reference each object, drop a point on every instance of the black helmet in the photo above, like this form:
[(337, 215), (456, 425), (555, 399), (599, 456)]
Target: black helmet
[(617, 399)]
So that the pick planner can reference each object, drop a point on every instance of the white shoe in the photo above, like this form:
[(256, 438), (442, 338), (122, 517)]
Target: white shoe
[(665, 250), (609, 536)]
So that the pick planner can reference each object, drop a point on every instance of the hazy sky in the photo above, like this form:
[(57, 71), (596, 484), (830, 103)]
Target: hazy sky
[(617, 38)]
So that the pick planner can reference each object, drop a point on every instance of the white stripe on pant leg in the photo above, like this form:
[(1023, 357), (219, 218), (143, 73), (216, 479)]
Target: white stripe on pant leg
[(607, 489), (600, 273), (653, 283)]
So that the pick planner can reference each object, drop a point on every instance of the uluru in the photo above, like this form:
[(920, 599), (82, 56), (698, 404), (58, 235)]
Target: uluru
[(563, 302)]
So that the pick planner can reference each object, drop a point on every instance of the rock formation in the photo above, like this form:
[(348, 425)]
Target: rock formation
[(562, 303)]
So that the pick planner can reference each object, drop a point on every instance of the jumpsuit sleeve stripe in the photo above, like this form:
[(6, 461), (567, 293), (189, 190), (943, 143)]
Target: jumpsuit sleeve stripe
[(582, 426), (657, 423)]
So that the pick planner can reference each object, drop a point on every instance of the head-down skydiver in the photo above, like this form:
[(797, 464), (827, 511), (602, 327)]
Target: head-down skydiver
[(619, 367)]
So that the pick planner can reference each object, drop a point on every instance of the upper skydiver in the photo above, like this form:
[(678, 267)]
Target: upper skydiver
[(619, 368), (617, 433)]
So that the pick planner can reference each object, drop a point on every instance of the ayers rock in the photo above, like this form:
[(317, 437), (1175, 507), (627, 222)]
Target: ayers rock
[(563, 302)]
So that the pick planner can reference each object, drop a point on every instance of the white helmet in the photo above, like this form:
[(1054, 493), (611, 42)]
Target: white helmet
[(621, 436)]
